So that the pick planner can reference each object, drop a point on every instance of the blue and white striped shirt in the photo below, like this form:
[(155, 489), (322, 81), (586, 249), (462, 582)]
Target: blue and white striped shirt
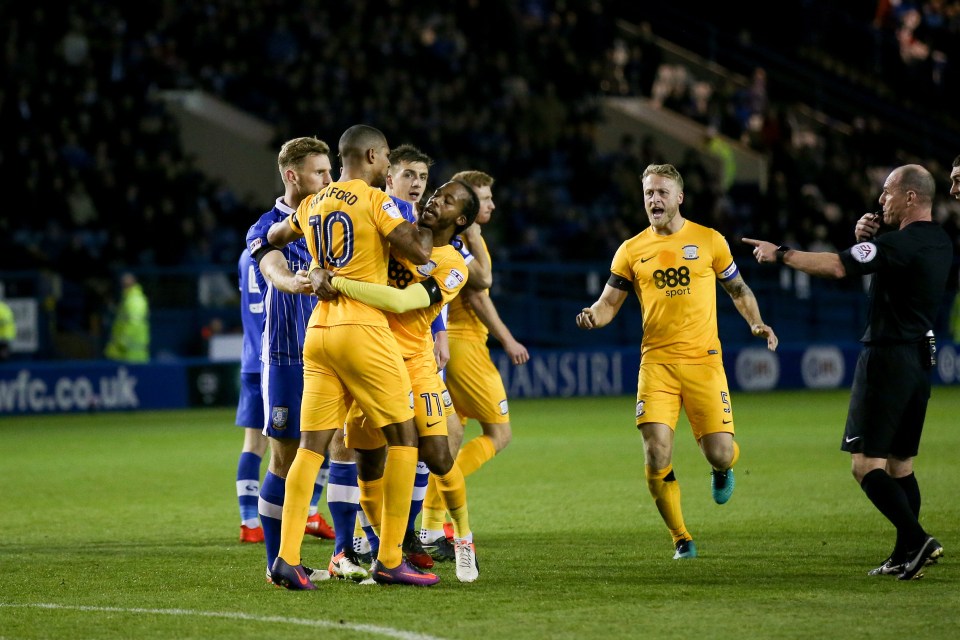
[(251, 314), (286, 315)]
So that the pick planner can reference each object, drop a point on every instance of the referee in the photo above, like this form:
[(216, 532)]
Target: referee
[(891, 383)]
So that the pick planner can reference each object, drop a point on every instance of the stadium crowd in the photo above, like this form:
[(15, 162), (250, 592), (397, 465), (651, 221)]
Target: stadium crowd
[(508, 88)]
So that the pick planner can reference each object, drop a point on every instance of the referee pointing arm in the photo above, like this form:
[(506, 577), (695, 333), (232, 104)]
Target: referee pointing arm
[(891, 383)]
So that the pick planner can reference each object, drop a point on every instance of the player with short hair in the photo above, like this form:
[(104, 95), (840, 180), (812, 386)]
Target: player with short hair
[(414, 300), (673, 266), (304, 166), (350, 354)]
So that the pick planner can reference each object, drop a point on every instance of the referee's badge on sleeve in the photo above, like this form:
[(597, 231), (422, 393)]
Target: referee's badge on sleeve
[(864, 252)]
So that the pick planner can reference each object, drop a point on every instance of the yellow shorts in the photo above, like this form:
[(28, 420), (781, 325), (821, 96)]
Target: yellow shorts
[(701, 389), (348, 364), (475, 384), (431, 404)]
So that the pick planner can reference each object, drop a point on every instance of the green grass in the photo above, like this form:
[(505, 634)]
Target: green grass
[(124, 525)]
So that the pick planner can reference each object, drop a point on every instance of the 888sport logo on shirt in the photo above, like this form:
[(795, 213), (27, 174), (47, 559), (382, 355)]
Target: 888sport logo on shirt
[(676, 281)]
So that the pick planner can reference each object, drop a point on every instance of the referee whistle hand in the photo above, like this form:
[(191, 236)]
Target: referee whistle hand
[(867, 226)]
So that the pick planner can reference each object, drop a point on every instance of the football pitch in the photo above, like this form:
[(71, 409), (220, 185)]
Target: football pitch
[(124, 525)]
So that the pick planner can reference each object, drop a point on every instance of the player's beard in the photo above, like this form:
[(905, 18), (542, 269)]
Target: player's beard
[(379, 181)]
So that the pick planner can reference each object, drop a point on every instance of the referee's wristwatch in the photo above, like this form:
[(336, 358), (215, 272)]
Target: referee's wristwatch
[(781, 250)]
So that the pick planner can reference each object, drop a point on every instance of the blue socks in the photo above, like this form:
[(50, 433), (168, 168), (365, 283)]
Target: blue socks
[(320, 484), (343, 500), (248, 488), (419, 491), (272, 493)]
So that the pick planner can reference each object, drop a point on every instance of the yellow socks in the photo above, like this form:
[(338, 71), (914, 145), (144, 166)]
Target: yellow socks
[(665, 490), (433, 507), (371, 503), (453, 489), (296, 503), (398, 474), (476, 452)]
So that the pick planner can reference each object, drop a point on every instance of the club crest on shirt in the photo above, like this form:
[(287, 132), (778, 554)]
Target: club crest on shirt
[(427, 269), (863, 252), (454, 280), (640, 409), (279, 417), (503, 408), (690, 252), (411, 399), (447, 402)]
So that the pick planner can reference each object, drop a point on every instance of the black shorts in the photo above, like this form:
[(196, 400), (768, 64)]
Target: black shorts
[(888, 402)]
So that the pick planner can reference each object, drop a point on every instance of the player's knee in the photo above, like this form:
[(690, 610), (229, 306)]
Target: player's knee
[(499, 434), (370, 463)]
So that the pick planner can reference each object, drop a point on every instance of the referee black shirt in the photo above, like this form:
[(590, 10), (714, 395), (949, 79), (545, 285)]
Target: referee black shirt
[(910, 268)]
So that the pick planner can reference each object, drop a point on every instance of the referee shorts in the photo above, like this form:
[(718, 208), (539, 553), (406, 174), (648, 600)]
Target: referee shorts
[(888, 402)]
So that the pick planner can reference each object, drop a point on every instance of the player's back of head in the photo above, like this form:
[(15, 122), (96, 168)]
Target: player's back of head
[(357, 140)]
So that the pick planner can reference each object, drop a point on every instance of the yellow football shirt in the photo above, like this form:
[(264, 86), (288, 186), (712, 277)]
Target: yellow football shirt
[(346, 226), (462, 322), (675, 277), (412, 329)]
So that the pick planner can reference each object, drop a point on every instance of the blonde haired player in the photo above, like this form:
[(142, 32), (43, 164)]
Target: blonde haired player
[(673, 267)]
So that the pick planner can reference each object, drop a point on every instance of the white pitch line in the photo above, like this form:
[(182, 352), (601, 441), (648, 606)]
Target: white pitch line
[(324, 624)]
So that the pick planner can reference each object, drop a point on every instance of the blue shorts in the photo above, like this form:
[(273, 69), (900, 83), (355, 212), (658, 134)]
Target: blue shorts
[(250, 407), (282, 394)]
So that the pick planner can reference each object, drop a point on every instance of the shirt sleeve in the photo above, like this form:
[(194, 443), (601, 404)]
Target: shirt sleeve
[(386, 214), (871, 256), (723, 264), (622, 264)]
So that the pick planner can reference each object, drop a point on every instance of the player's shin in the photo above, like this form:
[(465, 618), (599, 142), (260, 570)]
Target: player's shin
[(296, 503)]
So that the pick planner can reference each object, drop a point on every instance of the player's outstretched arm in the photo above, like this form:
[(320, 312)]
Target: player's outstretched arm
[(604, 310), (746, 304), (380, 296), (275, 269), (483, 306)]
